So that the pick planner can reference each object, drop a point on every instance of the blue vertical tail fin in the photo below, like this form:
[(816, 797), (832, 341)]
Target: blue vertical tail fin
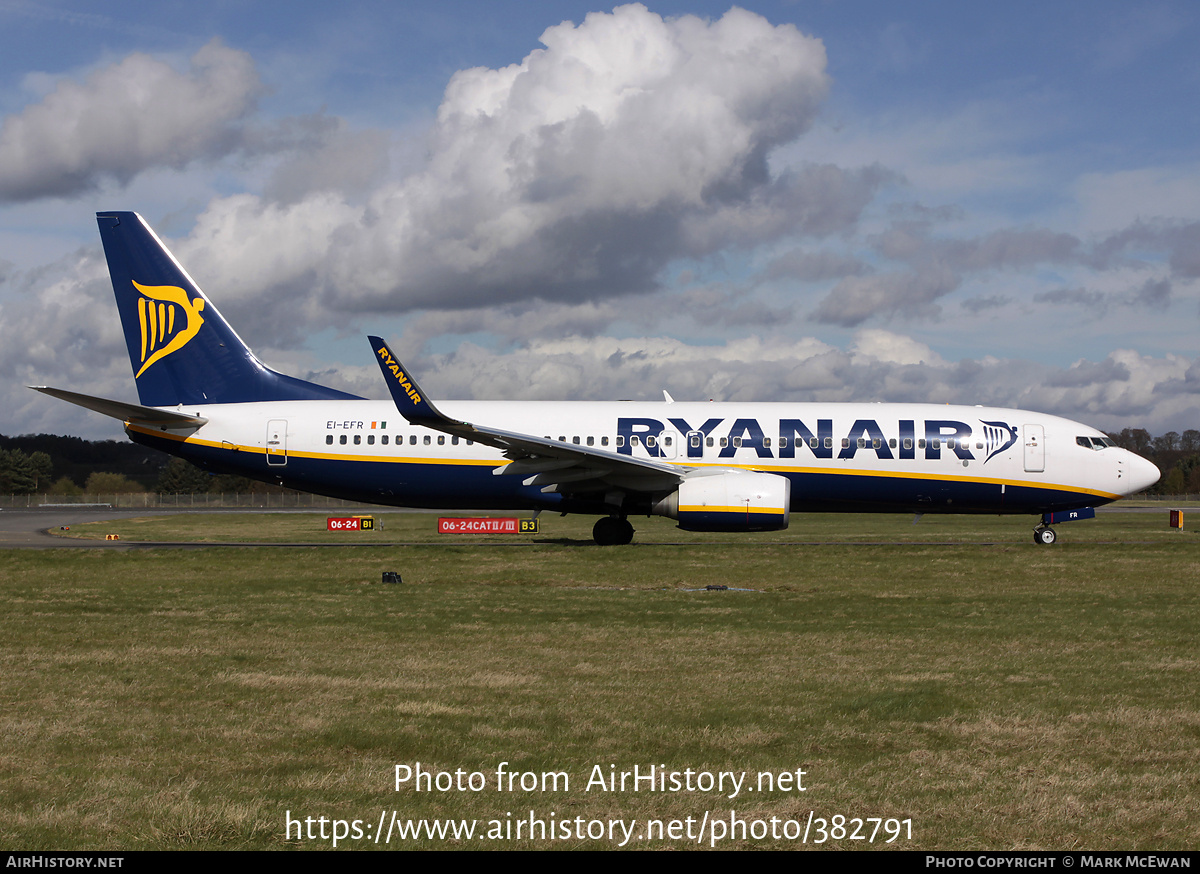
[(181, 349)]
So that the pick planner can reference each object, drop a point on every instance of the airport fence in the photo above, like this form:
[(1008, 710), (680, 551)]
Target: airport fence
[(151, 500)]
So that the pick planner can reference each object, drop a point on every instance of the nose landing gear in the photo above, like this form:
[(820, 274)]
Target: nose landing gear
[(1044, 535)]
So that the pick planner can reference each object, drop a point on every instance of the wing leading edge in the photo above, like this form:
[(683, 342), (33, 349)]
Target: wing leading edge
[(552, 464)]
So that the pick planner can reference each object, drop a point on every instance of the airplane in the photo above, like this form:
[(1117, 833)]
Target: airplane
[(720, 467)]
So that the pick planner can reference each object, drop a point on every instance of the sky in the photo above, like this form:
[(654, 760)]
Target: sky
[(781, 201)]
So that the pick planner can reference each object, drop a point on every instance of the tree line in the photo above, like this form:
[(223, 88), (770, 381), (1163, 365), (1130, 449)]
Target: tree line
[(50, 464), (1176, 455)]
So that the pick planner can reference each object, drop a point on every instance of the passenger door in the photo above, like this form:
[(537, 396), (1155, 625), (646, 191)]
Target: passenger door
[(277, 442), (1035, 448)]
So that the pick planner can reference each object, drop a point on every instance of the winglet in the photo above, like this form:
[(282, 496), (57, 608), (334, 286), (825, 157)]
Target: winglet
[(410, 400)]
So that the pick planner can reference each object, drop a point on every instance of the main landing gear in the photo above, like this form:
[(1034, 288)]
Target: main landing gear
[(1044, 535), (612, 531)]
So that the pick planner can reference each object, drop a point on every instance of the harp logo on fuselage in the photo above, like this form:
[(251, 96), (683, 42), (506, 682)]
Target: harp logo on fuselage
[(1000, 436), (168, 320)]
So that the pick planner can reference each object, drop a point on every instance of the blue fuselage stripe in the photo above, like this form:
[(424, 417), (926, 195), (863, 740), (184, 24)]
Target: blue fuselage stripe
[(446, 485)]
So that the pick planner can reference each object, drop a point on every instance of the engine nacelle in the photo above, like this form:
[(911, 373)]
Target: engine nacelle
[(730, 502)]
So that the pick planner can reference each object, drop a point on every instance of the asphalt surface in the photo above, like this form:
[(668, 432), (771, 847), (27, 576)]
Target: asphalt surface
[(30, 528)]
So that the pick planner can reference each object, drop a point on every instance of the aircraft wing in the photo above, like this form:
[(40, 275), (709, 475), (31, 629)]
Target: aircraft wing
[(135, 413), (553, 464)]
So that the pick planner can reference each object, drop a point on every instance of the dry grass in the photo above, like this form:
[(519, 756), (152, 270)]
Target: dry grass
[(1006, 695)]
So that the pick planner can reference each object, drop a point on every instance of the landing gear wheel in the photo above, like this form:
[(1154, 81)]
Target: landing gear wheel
[(1044, 536), (612, 531)]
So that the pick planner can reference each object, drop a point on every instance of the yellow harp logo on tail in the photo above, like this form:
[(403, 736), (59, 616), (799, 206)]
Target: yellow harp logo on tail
[(168, 321)]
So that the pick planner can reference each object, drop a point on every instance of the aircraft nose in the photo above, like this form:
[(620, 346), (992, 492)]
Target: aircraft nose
[(1140, 474)]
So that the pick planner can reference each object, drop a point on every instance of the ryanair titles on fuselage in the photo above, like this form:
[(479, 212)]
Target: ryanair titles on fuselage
[(928, 436)]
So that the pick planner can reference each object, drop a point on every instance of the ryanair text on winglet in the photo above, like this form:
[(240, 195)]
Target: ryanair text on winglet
[(386, 357)]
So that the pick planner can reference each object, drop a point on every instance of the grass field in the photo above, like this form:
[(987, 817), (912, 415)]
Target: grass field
[(995, 693), (409, 527)]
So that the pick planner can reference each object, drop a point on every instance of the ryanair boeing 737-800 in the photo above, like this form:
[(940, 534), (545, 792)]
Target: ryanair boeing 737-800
[(710, 466)]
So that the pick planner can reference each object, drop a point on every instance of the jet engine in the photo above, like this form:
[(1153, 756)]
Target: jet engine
[(733, 501)]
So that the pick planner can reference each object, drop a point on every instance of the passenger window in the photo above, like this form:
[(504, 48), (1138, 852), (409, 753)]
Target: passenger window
[(812, 442), (709, 442), (370, 439), (694, 441), (441, 439), (845, 442), (604, 441), (724, 442), (862, 441), (328, 439), (650, 441), (412, 439), (342, 440), (562, 438), (454, 441), (828, 442), (575, 440), (427, 440), (357, 439), (892, 443), (384, 439), (950, 443), (620, 440), (591, 441), (921, 443), (782, 443), (876, 443), (666, 441), (908, 443), (737, 442), (937, 443), (767, 442)]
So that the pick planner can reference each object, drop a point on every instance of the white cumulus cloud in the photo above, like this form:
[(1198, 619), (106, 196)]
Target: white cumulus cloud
[(628, 141), (133, 115)]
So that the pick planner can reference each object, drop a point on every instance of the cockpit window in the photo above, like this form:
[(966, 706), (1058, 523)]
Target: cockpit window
[(1094, 443)]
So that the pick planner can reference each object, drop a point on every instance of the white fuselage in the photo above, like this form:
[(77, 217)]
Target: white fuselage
[(920, 457)]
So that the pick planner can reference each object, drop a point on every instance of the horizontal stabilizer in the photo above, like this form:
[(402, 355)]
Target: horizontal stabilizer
[(123, 411)]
